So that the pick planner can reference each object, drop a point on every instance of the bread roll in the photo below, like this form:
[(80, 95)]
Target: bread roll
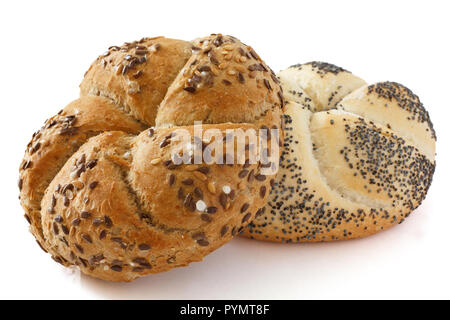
[(99, 184), (357, 158)]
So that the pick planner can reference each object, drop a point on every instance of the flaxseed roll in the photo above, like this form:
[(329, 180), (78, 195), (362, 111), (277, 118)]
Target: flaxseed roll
[(99, 183)]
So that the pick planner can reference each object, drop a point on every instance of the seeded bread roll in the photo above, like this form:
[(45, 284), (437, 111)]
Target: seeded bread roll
[(57, 140), (136, 76), (321, 83), (230, 84), (100, 185), (351, 167)]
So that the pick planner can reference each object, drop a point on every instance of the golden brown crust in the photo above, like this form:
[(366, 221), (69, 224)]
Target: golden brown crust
[(114, 203), (137, 74), (57, 140), (223, 81), (354, 170), (133, 199)]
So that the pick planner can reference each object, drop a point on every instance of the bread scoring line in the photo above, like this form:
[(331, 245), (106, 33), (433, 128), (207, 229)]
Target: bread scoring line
[(120, 107), (320, 167), (89, 134)]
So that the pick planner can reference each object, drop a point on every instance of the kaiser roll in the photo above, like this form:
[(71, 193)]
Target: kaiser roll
[(98, 182), (357, 158)]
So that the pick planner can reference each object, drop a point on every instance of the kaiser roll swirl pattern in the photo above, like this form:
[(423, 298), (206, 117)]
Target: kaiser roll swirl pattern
[(357, 158), (97, 182)]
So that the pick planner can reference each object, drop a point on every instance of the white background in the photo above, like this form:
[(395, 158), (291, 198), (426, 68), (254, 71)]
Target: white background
[(46, 47)]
